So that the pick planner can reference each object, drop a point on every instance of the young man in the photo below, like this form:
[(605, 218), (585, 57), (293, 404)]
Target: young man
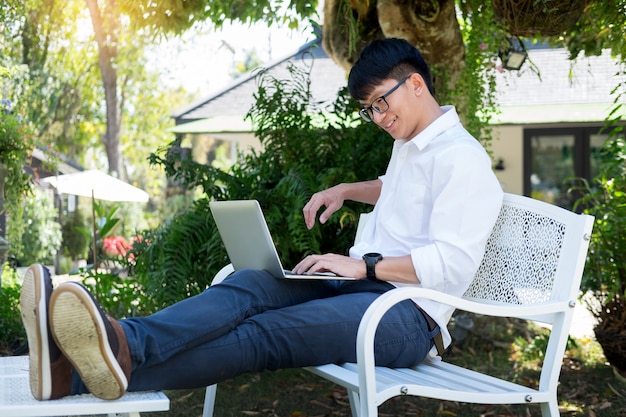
[(434, 209)]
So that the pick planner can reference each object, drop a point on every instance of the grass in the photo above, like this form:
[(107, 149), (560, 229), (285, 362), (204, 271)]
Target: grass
[(588, 386)]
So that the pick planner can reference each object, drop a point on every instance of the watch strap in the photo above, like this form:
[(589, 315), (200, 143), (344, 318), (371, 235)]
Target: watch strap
[(371, 259)]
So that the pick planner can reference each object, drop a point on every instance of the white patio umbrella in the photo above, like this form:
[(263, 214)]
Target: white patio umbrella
[(97, 185)]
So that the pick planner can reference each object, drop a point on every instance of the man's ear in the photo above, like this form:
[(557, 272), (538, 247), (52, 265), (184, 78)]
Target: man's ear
[(417, 83)]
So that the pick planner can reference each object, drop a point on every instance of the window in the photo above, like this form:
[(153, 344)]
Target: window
[(552, 157)]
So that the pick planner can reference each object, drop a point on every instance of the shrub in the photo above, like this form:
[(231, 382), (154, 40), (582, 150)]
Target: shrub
[(306, 148), (13, 335), (178, 259), (75, 243), (605, 198), (118, 295), (42, 235), (604, 278)]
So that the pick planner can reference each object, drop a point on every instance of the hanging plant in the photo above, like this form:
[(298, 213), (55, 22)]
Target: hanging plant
[(530, 18)]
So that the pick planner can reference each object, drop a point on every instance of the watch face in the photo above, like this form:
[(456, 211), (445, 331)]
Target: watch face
[(373, 257)]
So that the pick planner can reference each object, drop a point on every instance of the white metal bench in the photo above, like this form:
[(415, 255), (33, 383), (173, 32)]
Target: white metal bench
[(17, 401), (531, 270)]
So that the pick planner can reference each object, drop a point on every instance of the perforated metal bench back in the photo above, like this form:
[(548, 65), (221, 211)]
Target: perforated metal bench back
[(523, 256)]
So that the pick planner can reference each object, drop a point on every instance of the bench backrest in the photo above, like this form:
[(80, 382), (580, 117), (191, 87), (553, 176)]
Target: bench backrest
[(533, 254)]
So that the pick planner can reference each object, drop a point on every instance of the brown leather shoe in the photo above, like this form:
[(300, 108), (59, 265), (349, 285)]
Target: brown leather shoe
[(50, 373), (92, 341)]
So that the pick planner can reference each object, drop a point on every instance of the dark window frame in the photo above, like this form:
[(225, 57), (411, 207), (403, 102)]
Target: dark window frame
[(582, 138), (582, 149)]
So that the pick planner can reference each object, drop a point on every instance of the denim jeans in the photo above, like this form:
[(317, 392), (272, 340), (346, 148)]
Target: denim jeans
[(254, 322)]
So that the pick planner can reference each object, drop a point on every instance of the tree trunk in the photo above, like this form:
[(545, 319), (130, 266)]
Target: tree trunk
[(106, 23), (430, 25)]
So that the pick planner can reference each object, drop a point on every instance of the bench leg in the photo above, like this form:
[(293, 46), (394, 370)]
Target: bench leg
[(550, 409), (353, 396), (209, 400)]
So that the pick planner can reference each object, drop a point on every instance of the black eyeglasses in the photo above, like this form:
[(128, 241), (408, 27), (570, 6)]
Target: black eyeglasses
[(380, 105)]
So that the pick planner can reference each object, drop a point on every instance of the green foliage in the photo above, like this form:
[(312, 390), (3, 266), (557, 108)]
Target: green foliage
[(605, 198), (59, 73), (532, 351), (306, 150), (309, 148), (15, 147), (42, 234), (178, 259), (16, 144), (475, 91), (12, 333), (601, 26), (51, 64), (75, 242), (174, 16), (105, 224), (118, 295)]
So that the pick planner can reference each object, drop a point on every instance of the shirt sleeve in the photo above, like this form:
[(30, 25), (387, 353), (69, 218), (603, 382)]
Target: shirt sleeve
[(466, 199)]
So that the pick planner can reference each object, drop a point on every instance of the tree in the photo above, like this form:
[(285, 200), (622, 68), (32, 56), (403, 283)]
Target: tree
[(461, 39), (430, 25), (64, 64), (54, 84), (106, 20), (57, 90)]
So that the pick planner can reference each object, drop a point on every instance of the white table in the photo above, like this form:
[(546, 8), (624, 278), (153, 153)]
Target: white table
[(17, 401)]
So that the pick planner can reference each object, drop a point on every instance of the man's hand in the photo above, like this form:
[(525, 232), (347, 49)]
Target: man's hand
[(331, 198), (339, 265)]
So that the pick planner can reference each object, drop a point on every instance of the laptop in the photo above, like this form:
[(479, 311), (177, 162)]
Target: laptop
[(248, 242)]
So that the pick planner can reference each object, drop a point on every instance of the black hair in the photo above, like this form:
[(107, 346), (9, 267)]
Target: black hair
[(383, 59)]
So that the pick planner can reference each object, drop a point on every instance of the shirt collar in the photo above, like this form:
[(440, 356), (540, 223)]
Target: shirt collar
[(448, 119)]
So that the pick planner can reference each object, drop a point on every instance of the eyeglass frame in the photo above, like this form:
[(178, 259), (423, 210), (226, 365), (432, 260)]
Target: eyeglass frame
[(365, 111)]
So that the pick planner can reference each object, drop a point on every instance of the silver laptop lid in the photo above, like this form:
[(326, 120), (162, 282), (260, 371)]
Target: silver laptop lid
[(246, 236)]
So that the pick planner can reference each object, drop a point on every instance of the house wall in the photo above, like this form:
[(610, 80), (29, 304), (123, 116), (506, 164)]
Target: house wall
[(507, 144)]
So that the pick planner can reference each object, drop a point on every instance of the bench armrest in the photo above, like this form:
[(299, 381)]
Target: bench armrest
[(375, 312)]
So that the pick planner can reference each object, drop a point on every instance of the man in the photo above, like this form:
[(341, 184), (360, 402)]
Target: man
[(434, 209)]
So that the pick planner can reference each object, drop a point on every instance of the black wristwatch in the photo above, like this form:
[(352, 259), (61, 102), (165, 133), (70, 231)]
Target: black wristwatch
[(371, 259)]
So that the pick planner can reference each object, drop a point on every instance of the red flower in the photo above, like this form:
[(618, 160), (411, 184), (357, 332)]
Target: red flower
[(115, 246)]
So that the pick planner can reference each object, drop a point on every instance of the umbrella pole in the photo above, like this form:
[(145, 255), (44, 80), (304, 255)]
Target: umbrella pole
[(93, 216)]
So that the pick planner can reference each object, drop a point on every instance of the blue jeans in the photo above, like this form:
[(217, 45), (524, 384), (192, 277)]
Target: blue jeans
[(254, 322)]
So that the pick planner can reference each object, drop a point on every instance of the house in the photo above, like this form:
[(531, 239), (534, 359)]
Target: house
[(548, 128), (219, 119), (551, 120)]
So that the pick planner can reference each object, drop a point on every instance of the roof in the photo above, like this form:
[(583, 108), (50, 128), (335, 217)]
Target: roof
[(550, 88), (45, 164), (237, 99)]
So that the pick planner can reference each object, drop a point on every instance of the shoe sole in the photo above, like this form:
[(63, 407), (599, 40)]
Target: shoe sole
[(79, 331), (34, 312)]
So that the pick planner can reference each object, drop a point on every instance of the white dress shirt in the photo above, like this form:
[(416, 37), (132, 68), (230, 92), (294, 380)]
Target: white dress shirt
[(439, 201)]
